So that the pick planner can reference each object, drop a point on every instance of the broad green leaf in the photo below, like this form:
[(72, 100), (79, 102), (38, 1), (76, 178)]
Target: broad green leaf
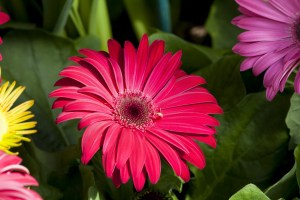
[(293, 119), (218, 24), (249, 192), (224, 81), (193, 57), (252, 143), (90, 41), (286, 187), (34, 59), (297, 158)]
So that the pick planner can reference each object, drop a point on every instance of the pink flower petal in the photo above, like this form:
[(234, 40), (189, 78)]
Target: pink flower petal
[(92, 140), (152, 163), (125, 147), (168, 153)]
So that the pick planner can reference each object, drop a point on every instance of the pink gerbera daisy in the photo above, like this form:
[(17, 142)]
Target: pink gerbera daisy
[(15, 179), (137, 105), (271, 42), (3, 19)]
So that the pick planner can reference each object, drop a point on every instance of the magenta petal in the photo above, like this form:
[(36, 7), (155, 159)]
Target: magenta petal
[(187, 98), (185, 172), (185, 83), (186, 128), (207, 139), (81, 75), (130, 65), (109, 162), (256, 36), (65, 116), (138, 155), (116, 52), (264, 9), (116, 179), (91, 118), (142, 61), (111, 138), (4, 18), (104, 71), (162, 72), (289, 8), (190, 117), (97, 91), (86, 105), (152, 164), (118, 75), (206, 108), (92, 140), (125, 147), (195, 155), (169, 153), (168, 137), (124, 173), (258, 24), (139, 181), (297, 83), (156, 52)]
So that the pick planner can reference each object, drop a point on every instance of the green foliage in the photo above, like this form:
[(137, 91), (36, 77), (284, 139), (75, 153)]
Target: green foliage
[(254, 145), (286, 187), (249, 192), (250, 148), (194, 57), (218, 24), (293, 119), (224, 80), (40, 57)]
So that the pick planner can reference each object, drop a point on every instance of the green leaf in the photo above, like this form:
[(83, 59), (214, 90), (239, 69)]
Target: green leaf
[(193, 57), (168, 181), (293, 119), (297, 158), (52, 170), (286, 187), (56, 13), (252, 144), (99, 23), (249, 192), (90, 41), (218, 24), (143, 15), (93, 194), (224, 81), (34, 59)]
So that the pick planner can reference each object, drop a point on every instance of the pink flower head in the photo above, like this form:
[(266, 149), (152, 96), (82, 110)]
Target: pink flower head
[(137, 106), (15, 179), (3, 19), (271, 41)]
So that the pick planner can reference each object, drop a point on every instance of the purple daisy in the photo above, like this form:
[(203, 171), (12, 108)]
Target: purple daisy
[(271, 42)]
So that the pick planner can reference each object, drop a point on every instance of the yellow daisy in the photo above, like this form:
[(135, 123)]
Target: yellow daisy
[(13, 122)]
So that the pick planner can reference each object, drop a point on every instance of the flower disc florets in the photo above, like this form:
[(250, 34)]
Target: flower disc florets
[(135, 110)]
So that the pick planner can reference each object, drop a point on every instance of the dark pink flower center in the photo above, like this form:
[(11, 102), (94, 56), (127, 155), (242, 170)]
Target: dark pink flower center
[(134, 110), (297, 30)]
